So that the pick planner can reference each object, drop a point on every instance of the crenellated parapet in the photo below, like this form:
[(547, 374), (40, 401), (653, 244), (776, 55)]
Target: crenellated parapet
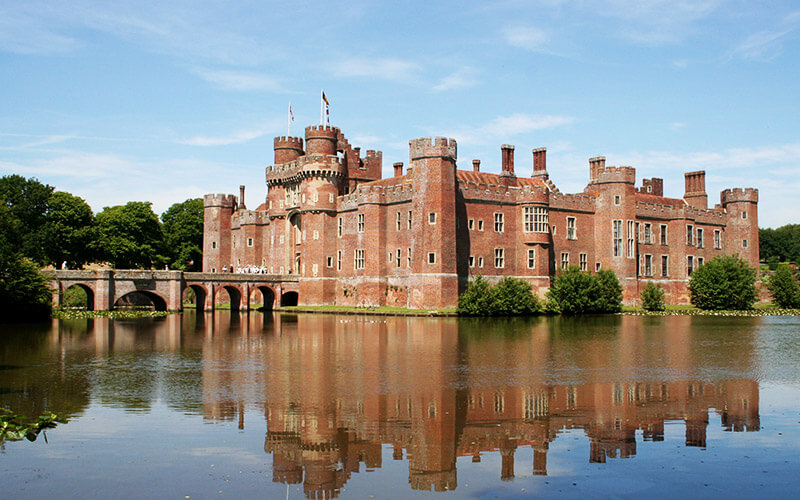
[(660, 210), (426, 147), (738, 195), (322, 139), (626, 175), (501, 193), (308, 166), (250, 217), (219, 200), (287, 149), (573, 202)]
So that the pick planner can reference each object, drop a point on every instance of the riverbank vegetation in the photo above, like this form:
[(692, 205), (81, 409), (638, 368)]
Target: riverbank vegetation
[(725, 282), (15, 427)]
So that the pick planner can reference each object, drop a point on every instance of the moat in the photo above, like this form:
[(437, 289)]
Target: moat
[(276, 405)]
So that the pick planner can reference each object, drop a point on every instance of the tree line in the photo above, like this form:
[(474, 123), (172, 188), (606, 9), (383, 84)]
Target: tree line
[(780, 245), (40, 226)]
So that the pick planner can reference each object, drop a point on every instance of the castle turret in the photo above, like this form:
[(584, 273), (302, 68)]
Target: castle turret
[(435, 283), (217, 212), (741, 232), (321, 140), (287, 149)]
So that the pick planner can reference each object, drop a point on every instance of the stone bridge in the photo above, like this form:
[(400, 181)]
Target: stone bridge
[(105, 288)]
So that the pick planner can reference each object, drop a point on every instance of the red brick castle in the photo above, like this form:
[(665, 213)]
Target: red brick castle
[(414, 240)]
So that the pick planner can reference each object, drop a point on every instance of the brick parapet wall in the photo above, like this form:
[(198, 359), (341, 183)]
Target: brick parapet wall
[(576, 202), (739, 194)]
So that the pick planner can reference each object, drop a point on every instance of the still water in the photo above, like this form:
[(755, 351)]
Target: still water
[(235, 405)]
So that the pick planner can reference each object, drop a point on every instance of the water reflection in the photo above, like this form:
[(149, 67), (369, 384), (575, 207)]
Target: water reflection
[(335, 389)]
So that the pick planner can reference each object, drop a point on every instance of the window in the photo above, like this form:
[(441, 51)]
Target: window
[(531, 258), (699, 237), (408, 256), (359, 259), (617, 237), (391, 257), (717, 238), (536, 220), (616, 199), (664, 266), (480, 262), (648, 265), (572, 231), (498, 222), (631, 237), (480, 225), (410, 219), (339, 227), (432, 258), (690, 235), (471, 224), (499, 257), (663, 234), (329, 261), (213, 244), (638, 233), (564, 260), (744, 215), (361, 223), (339, 260), (583, 262), (471, 261), (744, 243), (597, 267), (689, 265), (397, 260), (249, 242), (398, 221), (553, 229), (648, 233), (700, 261), (432, 218)]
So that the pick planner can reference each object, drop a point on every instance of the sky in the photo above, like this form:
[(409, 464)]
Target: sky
[(164, 101)]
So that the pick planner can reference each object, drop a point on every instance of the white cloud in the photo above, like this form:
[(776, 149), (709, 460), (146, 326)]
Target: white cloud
[(504, 127), (240, 80), (464, 77), (396, 70), (238, 137), (527, 38)]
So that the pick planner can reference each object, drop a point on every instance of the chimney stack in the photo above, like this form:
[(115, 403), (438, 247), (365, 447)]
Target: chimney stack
[(596, 164), (540, 163), (476, 165), (398, 169), (695, 194), (508, 160), (241, 198)]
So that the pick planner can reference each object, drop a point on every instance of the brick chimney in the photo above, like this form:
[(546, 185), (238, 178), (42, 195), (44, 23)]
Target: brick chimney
[(540, 163), (596, 165), (476, 165), (695, 194), (241, 198), (508, 160), (398, 169)]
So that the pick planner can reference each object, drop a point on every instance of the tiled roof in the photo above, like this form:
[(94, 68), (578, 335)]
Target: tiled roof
[(660, 200), (487, 178)]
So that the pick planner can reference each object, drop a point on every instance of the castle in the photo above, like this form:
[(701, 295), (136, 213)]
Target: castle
[(415, 240)]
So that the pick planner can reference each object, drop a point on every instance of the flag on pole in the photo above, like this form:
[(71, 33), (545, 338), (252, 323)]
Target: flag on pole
[(326, 106), (289, 121)]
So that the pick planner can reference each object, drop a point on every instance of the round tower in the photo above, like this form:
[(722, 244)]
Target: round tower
[(741, 232), (287, 149), (321, 139)]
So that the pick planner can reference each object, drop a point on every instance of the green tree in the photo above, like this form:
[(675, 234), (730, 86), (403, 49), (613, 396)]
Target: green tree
[(782, 243), (784, 288), (26, 201), (652, 296), (182, 225), (513, 297), (68, 230), (724, 282), (575, 292), (24, 294), (129, 236), (476, 299)]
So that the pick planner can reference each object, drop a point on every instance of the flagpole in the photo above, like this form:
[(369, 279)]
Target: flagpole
[(321, 108), (289, 120)]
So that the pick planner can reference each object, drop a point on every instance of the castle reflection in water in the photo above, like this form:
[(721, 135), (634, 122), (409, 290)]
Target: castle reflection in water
[(335, 389)]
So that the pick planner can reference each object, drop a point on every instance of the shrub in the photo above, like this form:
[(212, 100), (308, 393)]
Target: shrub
[(784, 288), (575, 292), (24, 295), (510, 297), (724, 282), (652, 296)]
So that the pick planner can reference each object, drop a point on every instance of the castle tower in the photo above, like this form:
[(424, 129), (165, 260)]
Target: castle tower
[(434, 283), (695, 194), (217, 212), (741, 232)]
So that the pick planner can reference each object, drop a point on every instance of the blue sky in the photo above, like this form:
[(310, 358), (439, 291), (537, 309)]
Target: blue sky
[(164, 101)]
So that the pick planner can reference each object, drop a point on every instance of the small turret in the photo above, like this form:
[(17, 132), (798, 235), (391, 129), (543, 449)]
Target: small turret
[(322, 139), (287, 149)]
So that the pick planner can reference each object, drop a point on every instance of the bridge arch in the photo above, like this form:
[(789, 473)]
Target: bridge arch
[(200, 295), (267, 296), (88, 290), (135, 298), (289, 299), (234, 295)]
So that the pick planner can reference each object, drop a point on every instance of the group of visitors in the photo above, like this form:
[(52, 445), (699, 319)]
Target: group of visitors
[(245, 270)]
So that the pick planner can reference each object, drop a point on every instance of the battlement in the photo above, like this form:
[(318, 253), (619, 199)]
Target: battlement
[(322, 139), (219, 200), (287, 142), (625, 175), (426, 147), (739, 194), (577, 202), (322, 131)]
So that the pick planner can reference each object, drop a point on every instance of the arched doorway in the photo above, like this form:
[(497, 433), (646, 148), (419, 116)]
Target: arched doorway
[(267, 298), (78, 296), (194, 297), (141, 299), (289, 299)]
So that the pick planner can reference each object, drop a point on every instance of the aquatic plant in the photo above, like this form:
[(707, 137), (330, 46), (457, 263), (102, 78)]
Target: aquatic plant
[(15, 427)]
